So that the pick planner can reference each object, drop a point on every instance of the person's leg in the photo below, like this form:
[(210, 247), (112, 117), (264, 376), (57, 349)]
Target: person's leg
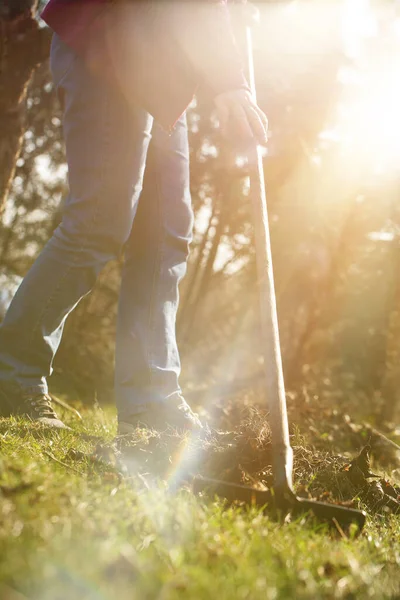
[(106, 145), (147, 358)]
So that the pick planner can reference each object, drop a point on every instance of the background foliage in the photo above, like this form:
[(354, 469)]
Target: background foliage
[(334, 215)]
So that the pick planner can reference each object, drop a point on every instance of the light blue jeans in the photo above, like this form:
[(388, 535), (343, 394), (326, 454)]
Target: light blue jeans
[(106, 145)]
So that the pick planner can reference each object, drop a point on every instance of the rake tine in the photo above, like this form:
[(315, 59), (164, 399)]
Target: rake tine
[(330, 512), (231, 491), (284, 503)]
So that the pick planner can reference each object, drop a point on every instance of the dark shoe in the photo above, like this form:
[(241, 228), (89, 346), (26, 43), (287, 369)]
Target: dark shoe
[(37, 407), (172, 415)]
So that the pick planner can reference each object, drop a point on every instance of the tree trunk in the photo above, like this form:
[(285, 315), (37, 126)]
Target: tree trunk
[(23, 45), (195, 273)]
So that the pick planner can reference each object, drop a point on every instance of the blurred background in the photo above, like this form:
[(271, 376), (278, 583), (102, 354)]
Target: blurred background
[(328, 77)]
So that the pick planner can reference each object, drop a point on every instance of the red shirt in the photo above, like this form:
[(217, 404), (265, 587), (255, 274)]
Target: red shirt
[(166, 75)]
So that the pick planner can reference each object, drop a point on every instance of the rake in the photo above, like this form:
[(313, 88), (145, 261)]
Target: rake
[(281, 498)]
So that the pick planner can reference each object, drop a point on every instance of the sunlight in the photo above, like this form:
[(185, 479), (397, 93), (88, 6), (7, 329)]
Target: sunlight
[(369, 118), (375, 120), (358, 22), (365, 127)]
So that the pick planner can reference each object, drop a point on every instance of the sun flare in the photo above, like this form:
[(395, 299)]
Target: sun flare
[(368, 115)]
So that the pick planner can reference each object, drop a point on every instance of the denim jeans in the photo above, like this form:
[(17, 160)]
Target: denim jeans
[(107, 139)]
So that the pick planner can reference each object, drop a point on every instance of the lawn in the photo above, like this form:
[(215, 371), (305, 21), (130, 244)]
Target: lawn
[(72, 527)]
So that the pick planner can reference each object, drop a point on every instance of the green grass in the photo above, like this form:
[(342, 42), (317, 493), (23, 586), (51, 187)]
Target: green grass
[(78, 531)]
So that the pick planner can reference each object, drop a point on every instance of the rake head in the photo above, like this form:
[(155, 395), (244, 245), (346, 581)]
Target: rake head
[(281, 500)]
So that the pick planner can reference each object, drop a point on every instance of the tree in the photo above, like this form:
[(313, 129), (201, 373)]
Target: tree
[(23, 45), (320, 227)]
